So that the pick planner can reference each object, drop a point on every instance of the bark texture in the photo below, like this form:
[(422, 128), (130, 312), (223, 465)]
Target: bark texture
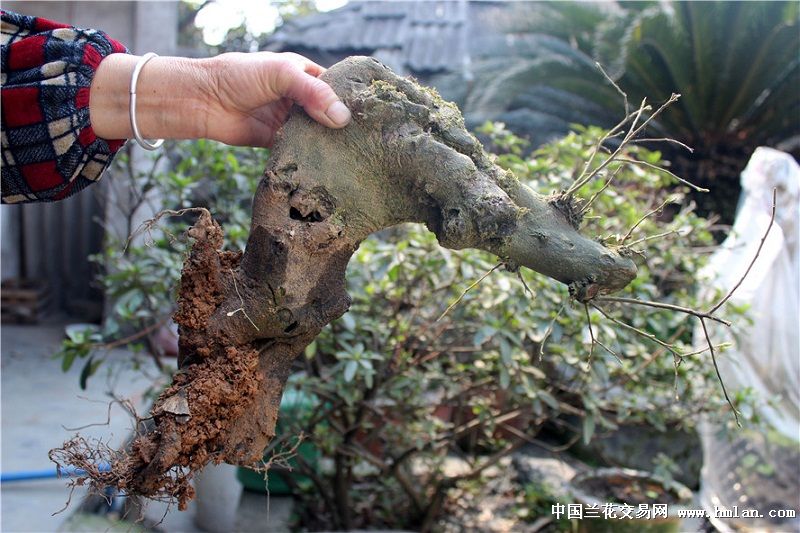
[(243, 318)]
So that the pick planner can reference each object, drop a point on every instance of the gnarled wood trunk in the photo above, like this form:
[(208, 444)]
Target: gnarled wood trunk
[(243, 318)]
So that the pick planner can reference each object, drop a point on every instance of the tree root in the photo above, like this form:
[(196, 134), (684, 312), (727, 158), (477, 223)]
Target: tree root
[(243, 318)]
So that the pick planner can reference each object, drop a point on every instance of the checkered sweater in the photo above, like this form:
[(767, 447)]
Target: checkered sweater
[(49, 148)]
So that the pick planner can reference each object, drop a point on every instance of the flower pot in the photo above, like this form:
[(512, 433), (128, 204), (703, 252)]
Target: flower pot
[(218, 493), (623, 500)]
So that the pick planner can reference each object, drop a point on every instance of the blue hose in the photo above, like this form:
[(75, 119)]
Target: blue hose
[(49, 473)]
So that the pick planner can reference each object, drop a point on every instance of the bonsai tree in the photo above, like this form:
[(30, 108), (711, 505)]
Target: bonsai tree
[(244, 317)]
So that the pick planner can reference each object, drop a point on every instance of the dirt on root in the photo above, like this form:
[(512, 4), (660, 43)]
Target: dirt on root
[(192, 418)]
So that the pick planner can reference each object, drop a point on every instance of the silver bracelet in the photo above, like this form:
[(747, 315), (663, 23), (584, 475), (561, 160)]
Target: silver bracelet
[(147, 145)]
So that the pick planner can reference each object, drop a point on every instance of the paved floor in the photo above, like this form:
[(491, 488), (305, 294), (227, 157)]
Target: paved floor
[(39, 402)]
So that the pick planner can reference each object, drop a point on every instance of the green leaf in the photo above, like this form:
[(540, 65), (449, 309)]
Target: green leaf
[(89, 370), (505, 353), (588, 428), (548, 399), (311, 349), (348, 322), (350, 370), (69, 357), (505, 378)]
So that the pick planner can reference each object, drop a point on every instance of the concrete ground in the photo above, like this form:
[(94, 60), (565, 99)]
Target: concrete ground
[(39, 405)]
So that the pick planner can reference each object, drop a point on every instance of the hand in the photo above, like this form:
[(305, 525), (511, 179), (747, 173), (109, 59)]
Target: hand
[(251, 95), (240, 99)]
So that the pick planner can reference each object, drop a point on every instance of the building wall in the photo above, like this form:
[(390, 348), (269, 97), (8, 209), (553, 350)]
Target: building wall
[(52, 241)]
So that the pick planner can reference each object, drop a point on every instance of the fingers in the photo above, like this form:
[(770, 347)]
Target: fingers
[(297, 80), (308, 66)]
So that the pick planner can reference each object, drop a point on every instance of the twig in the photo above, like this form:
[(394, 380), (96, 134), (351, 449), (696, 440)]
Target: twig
[(719, 376), (527, 289), (603, 188), (644, 217), (612, 352), (641, 332), (657, 236), (613, 132), (130, 338), (663, 140), (664, 170), (617, 87), (107, 422), (758, 251), (452, 305), (661, 305), (585, 176), (633, 375), (549, 330), (591, 333)]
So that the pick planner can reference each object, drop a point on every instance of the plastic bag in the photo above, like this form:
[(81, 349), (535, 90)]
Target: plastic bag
[(759, 469)]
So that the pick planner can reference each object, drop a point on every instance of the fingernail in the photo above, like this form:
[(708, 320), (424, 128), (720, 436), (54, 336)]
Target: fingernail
[(338, 113)]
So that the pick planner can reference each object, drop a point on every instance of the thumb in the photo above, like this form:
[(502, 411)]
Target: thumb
[(316, 96)]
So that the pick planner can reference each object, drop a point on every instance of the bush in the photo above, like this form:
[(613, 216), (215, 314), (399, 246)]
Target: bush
[(403, 387), (403, 379)]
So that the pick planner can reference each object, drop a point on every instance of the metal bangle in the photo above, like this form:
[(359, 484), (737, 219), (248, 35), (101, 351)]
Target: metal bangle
[(147, 145)]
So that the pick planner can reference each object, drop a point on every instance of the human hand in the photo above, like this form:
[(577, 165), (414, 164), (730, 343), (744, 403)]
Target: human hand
[(250, 96), (239, 99)]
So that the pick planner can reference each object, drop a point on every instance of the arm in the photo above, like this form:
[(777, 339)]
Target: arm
[(239, 99), (66, 103), (48, 145)]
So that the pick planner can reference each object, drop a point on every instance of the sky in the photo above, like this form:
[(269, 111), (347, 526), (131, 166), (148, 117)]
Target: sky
[(259, 16)]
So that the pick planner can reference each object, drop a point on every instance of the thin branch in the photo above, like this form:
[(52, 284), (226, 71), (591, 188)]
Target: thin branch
[(644, 217), (617, 87), (461, 297), (147, 225), (719, 376), (527, 289), (632, 132), (549, 330), (586, 176), (664, 170), (661, 305), (613, 132), (641, 332), (591, 332), (106, 423), (609, 350), (654, 237), (602, 189), (663, 140), (133, 337), (633, 375), (758, 251)]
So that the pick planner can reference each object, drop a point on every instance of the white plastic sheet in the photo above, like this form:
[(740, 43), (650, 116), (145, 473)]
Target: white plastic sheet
[(766, 353)]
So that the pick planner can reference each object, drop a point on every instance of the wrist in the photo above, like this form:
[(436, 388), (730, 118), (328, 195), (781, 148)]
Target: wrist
[(171, 98)]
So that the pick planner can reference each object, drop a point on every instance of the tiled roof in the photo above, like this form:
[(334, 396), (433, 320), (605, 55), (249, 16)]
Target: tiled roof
[(421, 37)]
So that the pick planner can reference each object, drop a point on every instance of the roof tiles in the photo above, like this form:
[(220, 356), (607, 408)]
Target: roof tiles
[(422, 36)]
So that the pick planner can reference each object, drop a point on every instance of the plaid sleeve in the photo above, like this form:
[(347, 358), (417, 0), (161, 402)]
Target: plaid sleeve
[(49, 148)]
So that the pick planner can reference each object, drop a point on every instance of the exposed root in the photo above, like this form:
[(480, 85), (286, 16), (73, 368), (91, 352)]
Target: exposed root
[(244, 317)]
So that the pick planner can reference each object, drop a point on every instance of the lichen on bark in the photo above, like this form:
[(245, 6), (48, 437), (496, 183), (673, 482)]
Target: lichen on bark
[(243, 318)]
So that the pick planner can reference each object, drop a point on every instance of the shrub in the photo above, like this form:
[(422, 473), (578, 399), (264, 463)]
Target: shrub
[(406, 378)]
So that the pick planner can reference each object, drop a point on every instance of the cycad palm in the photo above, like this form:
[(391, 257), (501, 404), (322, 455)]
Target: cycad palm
[(736, 65)]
